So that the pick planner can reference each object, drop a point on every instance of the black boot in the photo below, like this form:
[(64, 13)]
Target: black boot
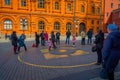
[(111, 76)]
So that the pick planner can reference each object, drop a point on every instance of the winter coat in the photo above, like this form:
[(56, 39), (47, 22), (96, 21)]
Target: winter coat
[(68, 34), (111, 51), (74, 39), (58, 35), (99, 40), (89, 34), (83, 34), (37, 38), (53, 37), (21, 41), (14, 39), (42, 35), (46, 36)]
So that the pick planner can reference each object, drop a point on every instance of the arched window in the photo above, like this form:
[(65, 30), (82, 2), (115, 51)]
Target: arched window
[(23, 3), (41, 25), (69, 26), (68, 7), (98, 10), (56, 6), (23, 24), (7, 25), (56, 26), (7, 2), (82, 9), (93, 9), (41, 3)]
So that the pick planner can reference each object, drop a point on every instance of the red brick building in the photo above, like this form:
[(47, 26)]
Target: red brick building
[(115, 17), (110, 5)]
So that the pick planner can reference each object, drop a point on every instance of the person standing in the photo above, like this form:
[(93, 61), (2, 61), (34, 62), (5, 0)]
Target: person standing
[(14, 40), (42, 35), (46, 37), (68, 34), (21, 42), (99, 40), (74, 40), (89, 34), (58, 38), (83, 37), (111, 50), (53, 39), (37, 39)]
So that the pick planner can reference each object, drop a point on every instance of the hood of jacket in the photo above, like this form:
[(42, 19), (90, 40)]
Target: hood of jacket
[(115, 36)]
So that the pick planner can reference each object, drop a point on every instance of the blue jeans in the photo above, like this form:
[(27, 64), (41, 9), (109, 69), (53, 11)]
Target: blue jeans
[(43, 42), (83, 41), (67, 40), (89, 41)]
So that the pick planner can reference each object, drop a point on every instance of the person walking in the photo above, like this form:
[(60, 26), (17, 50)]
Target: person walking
[(37, 39), (14, 40), (21, 42), (99, 40), (89, 34), (58, 38), (68, 34), (53, 39), (83, 37), (111, 50)]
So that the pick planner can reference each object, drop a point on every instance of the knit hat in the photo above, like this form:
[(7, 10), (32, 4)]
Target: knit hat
[(112, 27)]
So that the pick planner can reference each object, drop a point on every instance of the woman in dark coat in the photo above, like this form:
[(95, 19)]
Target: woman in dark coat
[(37, 39), (14, 41), (99, 39), (111, 50), (53, 39)]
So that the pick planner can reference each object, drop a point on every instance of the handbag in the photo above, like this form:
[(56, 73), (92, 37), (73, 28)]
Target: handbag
[(94, 49), (33, 45), (103, 74)]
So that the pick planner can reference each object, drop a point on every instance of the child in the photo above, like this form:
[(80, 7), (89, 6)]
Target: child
[(74, 40), (49, 44)]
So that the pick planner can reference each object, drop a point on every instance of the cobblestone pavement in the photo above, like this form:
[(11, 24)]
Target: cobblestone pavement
[(64, 63)]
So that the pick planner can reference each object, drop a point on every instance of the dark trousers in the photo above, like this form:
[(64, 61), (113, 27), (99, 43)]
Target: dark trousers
[(58, 41), (83, 41), (99, 54), (89, 41), (37, 44), (42, 42), (23, 46), (15, 49), (54, 46), (67, 40)]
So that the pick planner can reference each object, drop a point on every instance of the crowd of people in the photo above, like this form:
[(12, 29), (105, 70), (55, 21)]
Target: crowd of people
[(108, 50)]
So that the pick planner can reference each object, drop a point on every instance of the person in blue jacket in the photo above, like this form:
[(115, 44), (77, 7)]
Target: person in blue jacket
[(21, 42), (111, 50)]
